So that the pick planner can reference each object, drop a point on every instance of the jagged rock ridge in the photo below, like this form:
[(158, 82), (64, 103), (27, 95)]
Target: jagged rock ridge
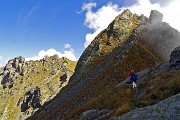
[(27, 85)]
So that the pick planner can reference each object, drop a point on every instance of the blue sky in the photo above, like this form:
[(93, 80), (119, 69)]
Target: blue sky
[(31, 27), (28, 26)]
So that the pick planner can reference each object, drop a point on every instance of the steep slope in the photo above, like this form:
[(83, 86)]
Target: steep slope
[(129, 42), (154, 85), (27, 85)]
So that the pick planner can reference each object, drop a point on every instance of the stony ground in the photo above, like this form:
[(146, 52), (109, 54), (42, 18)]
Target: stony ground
[(168, 109)]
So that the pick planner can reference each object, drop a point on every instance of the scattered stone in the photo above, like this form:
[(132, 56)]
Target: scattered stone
[(94, 114)]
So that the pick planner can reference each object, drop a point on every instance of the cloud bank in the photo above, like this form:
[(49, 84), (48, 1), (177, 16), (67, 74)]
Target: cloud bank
[(68, 53), (100, 19)]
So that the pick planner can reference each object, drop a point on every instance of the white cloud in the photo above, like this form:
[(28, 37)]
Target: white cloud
[(101, 18), (2, 61), (88, 6), (67, 53), (98, 20), (66, 46)]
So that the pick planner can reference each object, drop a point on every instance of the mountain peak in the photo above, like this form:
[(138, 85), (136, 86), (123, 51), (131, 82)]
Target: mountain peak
[(126, 14), (155, 17)]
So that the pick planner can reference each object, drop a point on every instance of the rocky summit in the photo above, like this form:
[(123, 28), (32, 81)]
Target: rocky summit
[(98, 88), (27, 85)]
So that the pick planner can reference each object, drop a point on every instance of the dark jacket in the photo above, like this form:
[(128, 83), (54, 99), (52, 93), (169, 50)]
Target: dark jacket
[(134, 77)]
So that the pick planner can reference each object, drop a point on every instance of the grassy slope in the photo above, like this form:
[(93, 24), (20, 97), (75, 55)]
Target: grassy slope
[(102, 85), (104, 92)]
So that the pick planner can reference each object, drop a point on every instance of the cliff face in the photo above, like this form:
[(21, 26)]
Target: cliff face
[(129, 42), (27, 85)]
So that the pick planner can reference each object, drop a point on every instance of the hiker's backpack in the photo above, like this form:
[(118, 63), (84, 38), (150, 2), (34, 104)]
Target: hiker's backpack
[(134, 76)]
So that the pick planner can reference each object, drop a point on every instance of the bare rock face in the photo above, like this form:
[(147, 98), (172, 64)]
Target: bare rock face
[(161, 38), (12, 68), (31, 99), (155, 17), (175, 58), (121, 25)]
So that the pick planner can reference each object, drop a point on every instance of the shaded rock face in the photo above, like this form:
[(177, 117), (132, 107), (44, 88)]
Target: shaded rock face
[(31, 99), (155, 17), (167, 109), (175, 58), (160, 39), (63, 78)]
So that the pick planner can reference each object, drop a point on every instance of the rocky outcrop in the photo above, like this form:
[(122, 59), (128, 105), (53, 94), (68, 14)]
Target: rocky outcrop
[(121, 26), (13, 68), (167, 109), (155, 17), (30, 99)]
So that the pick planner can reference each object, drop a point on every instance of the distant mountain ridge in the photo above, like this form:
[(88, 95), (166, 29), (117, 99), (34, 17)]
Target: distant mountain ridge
[(27, 85), (129, 42)]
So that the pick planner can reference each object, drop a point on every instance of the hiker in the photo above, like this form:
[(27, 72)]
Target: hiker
[(133, 77)]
